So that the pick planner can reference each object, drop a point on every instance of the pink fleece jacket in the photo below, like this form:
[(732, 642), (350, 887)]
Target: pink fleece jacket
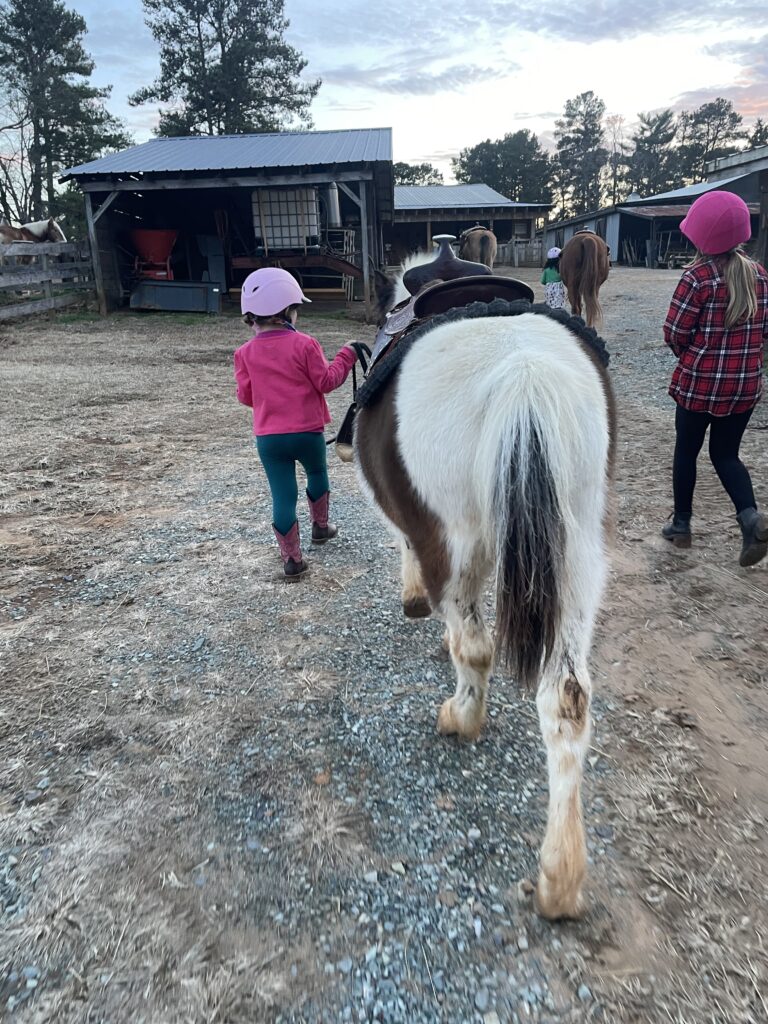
[(283, 375)]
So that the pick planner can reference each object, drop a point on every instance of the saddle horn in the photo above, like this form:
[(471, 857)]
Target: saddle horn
[(446, 266)]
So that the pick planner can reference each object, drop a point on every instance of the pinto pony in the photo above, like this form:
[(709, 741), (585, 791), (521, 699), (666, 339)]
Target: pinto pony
[(36, 231), (478, 245), (584, 266), (489, 452)]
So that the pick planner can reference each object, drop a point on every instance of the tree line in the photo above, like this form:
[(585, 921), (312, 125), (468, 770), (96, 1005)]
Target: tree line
[(598, 160), (225, 68)]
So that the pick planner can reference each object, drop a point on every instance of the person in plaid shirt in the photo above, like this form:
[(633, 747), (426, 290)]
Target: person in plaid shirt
[(716, 326)]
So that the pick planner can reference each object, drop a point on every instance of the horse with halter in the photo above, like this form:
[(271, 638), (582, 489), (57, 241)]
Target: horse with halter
[(478, 245), (484, 434), (584, 266), (36, 231)]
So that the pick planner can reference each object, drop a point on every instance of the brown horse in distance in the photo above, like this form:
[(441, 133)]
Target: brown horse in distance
[(584, 266), (36, 231), (478, 244)]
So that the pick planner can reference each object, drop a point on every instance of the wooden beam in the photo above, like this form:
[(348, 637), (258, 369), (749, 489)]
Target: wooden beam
[(239, 181), (366, 239), (38, 306), (762, 234), (101, 294), (40, 249), (349, 192), (23, 277), (105, 206)]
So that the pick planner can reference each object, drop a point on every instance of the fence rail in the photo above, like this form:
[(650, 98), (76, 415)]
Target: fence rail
[(49, 275)]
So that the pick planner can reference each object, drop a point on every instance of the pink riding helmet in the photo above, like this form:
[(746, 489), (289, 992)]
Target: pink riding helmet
[(269, 291), (717, 222)]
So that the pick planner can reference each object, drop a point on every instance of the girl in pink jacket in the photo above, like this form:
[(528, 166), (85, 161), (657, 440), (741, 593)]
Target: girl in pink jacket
[(284, 376)]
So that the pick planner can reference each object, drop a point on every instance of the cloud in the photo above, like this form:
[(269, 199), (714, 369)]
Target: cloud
[(405, 80), (749, 94)]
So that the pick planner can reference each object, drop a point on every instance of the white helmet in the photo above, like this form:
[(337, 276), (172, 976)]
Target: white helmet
[(553, 253), (269, 291)]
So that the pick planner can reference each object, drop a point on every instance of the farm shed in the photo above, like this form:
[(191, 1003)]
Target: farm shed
[(646, 232), (179, 221), (422, 211)]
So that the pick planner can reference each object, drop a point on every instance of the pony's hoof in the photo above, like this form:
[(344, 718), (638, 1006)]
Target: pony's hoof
[(417, 608), (556, 905), (449, 723)]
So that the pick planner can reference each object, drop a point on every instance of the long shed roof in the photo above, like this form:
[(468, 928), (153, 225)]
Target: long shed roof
[(452, 197), (195, 153)]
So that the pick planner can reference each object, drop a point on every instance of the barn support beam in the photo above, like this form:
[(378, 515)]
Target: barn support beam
[(762, 235), (98, 275), (244, 181), (362, 204), (105, 206)]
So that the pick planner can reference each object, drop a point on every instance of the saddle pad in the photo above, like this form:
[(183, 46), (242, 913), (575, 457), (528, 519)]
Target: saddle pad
[(379, 377)]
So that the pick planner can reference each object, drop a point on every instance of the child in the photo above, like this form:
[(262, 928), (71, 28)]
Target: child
[(284, 375), (554, 289), (716, 326)]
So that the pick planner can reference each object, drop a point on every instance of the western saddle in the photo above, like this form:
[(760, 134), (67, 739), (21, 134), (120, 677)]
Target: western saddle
[(446, 283)]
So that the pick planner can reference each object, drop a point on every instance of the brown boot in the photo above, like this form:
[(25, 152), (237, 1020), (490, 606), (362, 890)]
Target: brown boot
[(754, 531), (322, 530), (290, 551)]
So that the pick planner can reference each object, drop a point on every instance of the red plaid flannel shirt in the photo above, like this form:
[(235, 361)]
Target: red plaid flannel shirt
[(719, 370)]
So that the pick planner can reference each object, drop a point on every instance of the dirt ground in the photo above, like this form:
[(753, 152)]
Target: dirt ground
[(223, 799)]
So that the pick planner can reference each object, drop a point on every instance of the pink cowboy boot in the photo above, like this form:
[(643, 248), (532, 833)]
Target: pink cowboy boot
[(322, 530), (290, 550)]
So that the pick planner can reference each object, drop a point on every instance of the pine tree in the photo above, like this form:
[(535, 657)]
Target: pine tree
[(651, 165), (759, 135), (712, 130), (44, 73), (581, 150), (225, 68)]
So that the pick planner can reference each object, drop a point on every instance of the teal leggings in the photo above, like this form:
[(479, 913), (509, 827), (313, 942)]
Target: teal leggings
[(279, 454)]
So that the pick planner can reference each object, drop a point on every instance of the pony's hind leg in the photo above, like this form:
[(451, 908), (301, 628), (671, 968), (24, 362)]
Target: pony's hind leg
[(563, 701), (414, 593), (471, 649)]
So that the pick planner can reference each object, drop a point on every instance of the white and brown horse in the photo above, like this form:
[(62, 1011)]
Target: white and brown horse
[(584, 266), (489, 454), (36, 231), (478, 244)]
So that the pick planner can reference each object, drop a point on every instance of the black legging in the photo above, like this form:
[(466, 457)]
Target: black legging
[(725, 436)]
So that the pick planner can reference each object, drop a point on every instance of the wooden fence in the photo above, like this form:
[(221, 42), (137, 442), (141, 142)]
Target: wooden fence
[(46, 275)]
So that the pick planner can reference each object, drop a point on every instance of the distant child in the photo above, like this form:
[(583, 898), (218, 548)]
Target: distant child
[(716, 326), (284, 375), (554, 289)]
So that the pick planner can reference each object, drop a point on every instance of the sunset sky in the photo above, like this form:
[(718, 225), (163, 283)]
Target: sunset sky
[(445, 75)]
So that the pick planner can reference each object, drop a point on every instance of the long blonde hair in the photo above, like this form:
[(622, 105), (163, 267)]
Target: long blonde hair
[(740, 283)]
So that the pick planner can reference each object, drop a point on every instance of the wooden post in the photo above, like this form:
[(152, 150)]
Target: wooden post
[(366, 244), (762, 235), (429, 235), (98, 277)]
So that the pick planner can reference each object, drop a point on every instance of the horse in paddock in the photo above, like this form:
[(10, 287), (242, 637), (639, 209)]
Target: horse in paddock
[(489, 451), (584, 266), (478, 244), (36, 231)]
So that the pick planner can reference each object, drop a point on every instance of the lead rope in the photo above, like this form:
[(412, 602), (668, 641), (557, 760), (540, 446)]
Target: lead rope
[(362, 351)]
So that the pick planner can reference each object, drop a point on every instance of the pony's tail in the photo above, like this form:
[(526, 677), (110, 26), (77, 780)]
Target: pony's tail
[(590, 282), (530, 546), (486, 250)]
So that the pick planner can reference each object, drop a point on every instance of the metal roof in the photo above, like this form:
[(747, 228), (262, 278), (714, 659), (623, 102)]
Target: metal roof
[(669, 210), (451, 197), (192, 153), (690, 190)]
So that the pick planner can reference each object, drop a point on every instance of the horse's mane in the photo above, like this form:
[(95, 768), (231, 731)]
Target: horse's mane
[(416, 259)]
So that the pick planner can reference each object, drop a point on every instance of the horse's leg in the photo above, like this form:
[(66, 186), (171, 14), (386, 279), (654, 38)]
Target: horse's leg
[(470, 645), (563, 701), (574, 297), (414, 594)]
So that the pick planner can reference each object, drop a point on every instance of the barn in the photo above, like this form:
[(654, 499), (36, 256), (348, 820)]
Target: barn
[(175, 223), (422, 211), (646, 232)]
